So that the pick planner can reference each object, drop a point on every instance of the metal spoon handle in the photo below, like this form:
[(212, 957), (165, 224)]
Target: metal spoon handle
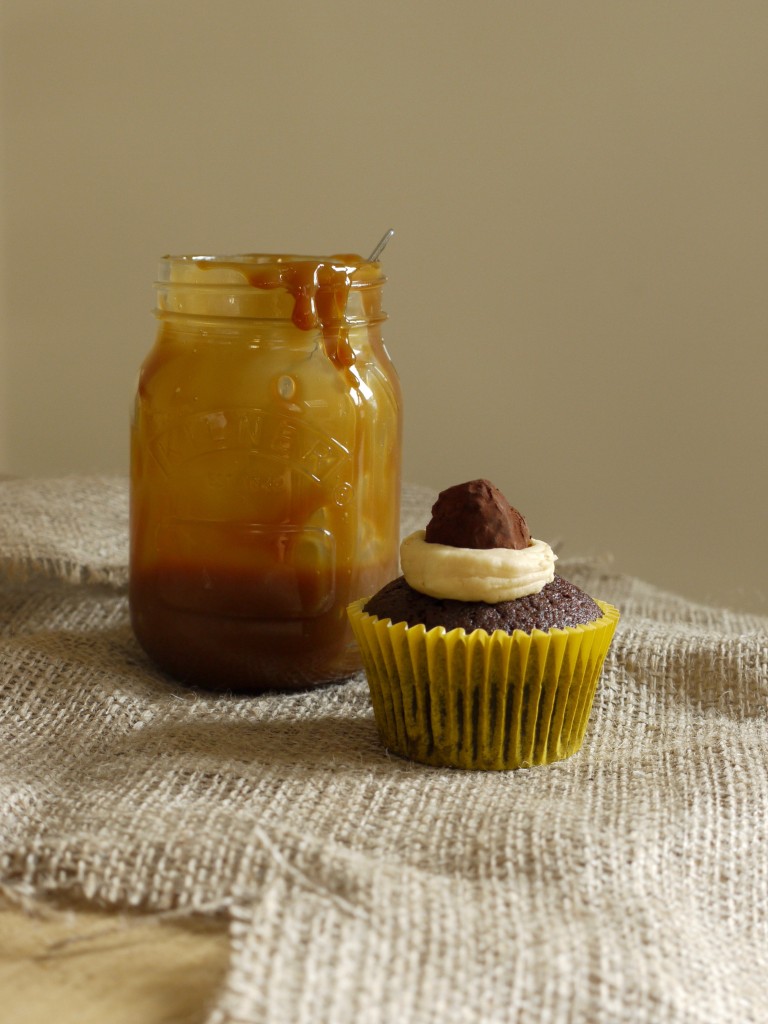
[(381, 245)]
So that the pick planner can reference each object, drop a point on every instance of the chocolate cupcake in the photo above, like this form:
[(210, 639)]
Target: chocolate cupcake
[(480, 656)]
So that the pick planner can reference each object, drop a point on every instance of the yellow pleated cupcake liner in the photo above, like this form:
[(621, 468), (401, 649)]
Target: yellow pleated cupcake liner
[(487, 701)]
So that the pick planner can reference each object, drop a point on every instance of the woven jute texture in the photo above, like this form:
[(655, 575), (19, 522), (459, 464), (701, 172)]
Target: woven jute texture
[(627, 884)]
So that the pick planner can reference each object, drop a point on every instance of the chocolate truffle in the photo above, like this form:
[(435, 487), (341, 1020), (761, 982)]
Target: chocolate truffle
[(476, 515)]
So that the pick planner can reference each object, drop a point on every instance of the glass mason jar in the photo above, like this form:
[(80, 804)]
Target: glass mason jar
[(265, 469)]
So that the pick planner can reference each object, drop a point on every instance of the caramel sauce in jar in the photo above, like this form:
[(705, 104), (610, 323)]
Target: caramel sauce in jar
[(265, 469)]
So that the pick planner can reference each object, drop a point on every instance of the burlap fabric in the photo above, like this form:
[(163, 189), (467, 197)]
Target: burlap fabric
[(628, 884)]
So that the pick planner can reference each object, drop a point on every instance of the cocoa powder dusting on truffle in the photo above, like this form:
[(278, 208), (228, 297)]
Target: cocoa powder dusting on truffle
[(476, 515)]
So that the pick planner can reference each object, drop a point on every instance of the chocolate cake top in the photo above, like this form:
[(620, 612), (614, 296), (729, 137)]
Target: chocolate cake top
[(559, 604), (476, 515)]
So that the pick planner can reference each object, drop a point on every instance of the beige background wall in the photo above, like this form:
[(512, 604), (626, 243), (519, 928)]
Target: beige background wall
[(577, 285)]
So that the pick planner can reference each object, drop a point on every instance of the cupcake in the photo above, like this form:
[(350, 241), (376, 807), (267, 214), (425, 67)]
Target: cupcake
[(479, 656)]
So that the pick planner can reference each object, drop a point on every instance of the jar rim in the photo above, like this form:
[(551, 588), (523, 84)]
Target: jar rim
[(361, 271), (310, 291)]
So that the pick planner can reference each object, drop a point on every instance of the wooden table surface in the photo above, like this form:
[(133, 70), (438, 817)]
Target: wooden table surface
[(71, 965)]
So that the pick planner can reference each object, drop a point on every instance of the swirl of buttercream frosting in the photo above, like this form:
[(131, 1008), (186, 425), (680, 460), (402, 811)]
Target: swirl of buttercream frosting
[(476, 574)]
